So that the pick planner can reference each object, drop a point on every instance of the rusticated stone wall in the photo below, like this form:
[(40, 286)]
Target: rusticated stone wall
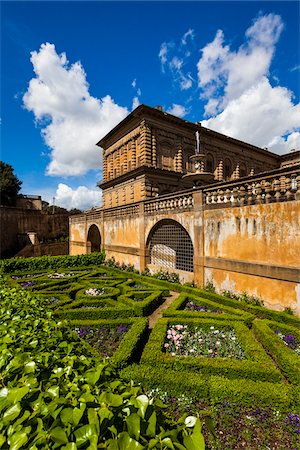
[(15, 222)]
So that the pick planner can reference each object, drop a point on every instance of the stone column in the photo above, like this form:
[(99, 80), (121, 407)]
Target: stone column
[(145, 143), (104, 167), (133, 153), (118, 151), (154, 162), (220, 171), (199, 275)]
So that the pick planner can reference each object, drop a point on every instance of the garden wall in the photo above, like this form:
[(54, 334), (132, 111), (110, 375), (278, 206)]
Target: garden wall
[(18, 221)]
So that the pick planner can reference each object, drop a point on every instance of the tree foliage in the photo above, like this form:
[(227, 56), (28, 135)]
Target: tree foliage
[(10, 185)]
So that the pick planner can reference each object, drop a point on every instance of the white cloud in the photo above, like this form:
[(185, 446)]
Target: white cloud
[(263, 115), (73, 121), (189, 34), (133, 84), (81, 197), (239, 94), (135, 102), (177, 110), (228, 74), (175, 63)]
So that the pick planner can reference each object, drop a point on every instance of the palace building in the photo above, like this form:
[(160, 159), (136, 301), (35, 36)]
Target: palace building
[(182, 198)]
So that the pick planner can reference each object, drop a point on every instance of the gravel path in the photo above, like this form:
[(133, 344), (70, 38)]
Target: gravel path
[(157, 314)]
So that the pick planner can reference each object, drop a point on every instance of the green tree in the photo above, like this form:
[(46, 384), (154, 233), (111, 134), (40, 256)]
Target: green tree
[(10, 185)]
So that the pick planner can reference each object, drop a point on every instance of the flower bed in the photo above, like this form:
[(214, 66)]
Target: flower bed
[(286, 358), (104, 339), (192, 306), (182, 340), (118, 339), (256, 364), (290, 341)]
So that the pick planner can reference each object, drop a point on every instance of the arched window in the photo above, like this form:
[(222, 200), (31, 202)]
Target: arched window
[(210, 163), (227, 169), (170, 246), (94, 238)]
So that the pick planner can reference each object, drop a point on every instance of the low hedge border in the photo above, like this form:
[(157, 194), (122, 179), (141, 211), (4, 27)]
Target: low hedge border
[(144, 307), (94, 314), (287, 359), (63, 299), (227, 313), (257, 366), (214, 389), (51, 262), (129, 344), (102, 303)]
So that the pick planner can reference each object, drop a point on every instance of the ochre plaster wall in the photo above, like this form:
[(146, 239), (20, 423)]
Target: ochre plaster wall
[(276, 294), (268, 233)]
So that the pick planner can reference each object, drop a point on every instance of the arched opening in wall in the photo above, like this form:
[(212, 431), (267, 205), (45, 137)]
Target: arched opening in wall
[(170, 246), (94, 238)]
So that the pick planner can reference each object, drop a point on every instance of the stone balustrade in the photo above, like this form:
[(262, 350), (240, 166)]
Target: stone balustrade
[(181, 202), (257, 190), (121, 211)]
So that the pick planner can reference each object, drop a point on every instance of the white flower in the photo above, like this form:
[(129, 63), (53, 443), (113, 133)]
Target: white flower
[(212, 328)]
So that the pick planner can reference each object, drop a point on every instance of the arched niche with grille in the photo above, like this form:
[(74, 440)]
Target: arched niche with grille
[(94, 238), (210, 163), (170, 247), (227, 169)]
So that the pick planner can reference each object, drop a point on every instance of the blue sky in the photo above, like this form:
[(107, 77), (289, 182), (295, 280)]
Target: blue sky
[(72, 70)]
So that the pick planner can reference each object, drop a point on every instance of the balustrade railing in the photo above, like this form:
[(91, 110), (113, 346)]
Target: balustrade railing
[(121, 211), (177, 202), (265, 189)]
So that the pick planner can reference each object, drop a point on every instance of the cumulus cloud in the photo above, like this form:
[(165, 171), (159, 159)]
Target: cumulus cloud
[(229, 73), (81, 197), (262, 115), (135, 102), (177, 110), (239, 94), (72, 120)]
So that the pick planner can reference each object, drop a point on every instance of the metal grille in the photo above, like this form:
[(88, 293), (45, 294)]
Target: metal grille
[(171, 247)]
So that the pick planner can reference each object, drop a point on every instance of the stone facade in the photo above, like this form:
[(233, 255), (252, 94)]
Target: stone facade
[(240, 232)]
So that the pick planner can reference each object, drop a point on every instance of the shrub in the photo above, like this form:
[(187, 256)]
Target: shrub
[(51, 262)]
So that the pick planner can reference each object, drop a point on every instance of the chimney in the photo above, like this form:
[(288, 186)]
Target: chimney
[(159, 107)]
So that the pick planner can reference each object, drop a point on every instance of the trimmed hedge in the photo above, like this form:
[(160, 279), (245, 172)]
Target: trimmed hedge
[(94, 314), (214, 389), (287, 359), (145, 306), (226, 312), (51, 262), (129, 344), (257, 366)]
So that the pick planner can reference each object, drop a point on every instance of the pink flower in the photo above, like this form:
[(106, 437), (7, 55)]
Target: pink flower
[(210, 350), (166, 345)]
